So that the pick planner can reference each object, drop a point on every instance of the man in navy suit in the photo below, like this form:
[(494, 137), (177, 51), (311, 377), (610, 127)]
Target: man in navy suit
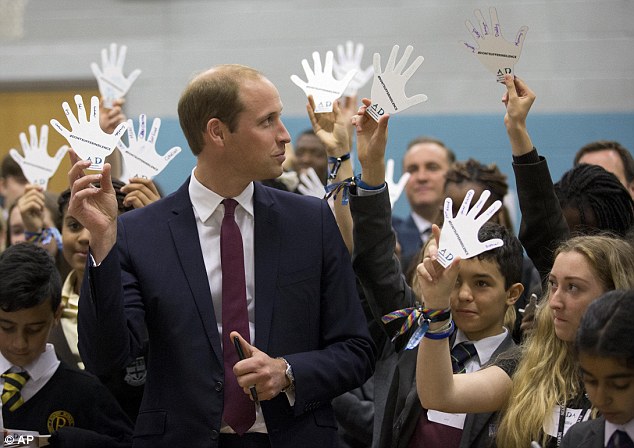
[(160, 266), (427, 160)]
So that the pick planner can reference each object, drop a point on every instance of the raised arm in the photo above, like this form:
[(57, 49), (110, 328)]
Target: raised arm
[(95, 208), (374, 261), (332, 129), (486, 390), (543, 225)]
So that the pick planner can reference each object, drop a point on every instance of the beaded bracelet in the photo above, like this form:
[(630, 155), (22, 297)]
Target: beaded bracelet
[(336, 161), (441, 333)]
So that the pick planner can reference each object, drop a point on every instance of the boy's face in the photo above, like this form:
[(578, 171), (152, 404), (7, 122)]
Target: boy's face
[(610, 387), (23, 333), (75, 239), (479, 299)]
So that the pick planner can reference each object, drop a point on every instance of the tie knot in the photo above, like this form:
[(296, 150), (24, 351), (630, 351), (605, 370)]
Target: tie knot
[(230, 206), (17, 380), (620, 439), (460, 354)]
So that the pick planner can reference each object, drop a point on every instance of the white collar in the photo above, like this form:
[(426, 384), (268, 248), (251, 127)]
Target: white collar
[(206, 201), (38, 368), (485, 347), (421, 223), (611, 427)]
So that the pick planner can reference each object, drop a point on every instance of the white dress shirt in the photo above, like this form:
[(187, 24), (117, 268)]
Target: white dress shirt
[(209, 212)]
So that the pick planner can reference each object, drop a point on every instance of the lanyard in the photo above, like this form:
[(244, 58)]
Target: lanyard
[(562, 420)]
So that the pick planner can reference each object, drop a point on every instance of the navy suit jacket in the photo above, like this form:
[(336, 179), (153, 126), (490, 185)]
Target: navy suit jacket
[(307, 310), (590, 434)]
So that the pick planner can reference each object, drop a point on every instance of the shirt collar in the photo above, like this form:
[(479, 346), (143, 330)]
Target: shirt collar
[(421, 223), (44, 363), (485, 347), (611, 427), (206, 201), (70, 299)]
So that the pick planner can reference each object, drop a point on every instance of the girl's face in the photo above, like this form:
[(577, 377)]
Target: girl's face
[(574, 284), (610, 386)]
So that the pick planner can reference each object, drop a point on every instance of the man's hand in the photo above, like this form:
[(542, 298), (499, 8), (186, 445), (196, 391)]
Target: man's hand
[(258, 369), (94, 207), (38, 167), (497, 54), (112, 82)]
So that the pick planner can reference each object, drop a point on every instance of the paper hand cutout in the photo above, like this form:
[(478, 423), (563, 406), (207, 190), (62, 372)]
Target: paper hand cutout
[(321, 84), (38, 167), (351, 60), (310, 184), (86, 137), (394, 188), (140, 158), (388, 88), (497, 54), (111, 80), (459, 235)]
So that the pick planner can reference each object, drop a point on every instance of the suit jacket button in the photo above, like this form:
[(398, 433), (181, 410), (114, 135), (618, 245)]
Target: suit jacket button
[(218, 386), (214, 434)]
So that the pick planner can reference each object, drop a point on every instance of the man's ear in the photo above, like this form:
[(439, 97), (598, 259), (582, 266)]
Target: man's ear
[(215, 131), (513, 293)]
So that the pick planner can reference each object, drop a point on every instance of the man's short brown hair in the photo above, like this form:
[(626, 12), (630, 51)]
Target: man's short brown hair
[(213, 94)]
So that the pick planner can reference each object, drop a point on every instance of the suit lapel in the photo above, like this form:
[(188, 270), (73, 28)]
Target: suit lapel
[(185, 236), (267, 247)]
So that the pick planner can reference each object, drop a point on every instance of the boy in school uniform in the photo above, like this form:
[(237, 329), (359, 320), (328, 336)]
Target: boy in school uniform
[(40, 393)]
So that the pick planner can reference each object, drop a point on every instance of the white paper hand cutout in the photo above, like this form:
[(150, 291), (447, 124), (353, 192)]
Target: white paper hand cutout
[(497, 54), (388, 88), (111, 80), (140, 158), (310, 184), (38, 167), (86, 137), (351, 60), (459, 235), (321, 84), (394, 188)]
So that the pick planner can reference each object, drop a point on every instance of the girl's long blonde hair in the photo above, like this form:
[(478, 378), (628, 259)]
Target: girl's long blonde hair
[(547, 374)]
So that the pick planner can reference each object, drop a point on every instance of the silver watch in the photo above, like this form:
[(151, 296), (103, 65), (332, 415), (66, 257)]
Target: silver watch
[(289, 375)]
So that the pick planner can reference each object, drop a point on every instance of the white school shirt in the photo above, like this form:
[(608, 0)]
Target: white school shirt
[(40, 371)]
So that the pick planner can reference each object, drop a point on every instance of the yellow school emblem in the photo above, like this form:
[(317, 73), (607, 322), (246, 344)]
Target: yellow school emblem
[(59, 419)]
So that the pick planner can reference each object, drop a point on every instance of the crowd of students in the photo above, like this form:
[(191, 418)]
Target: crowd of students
[(559, 375)]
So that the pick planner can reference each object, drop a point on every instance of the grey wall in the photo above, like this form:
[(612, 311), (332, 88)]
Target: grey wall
[(577, 57)]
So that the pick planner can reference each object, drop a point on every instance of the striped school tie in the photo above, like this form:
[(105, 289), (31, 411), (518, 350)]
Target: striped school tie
[(13, 384), (460, 354)]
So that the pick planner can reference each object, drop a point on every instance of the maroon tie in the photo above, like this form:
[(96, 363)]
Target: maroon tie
[(239, 410)]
